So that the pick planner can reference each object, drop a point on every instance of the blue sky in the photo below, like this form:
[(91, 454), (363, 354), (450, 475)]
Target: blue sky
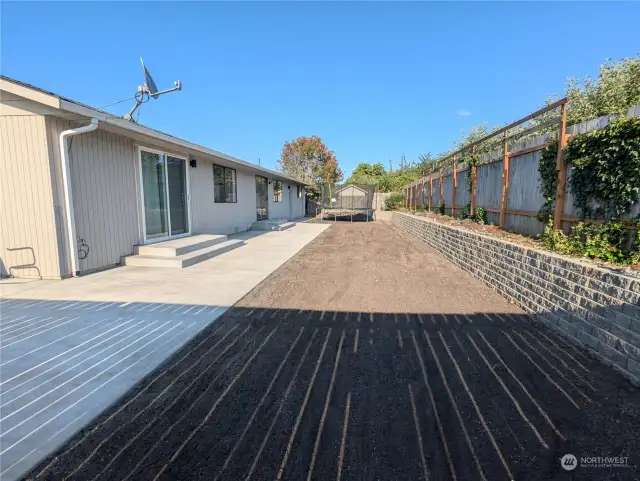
[(373, 80)]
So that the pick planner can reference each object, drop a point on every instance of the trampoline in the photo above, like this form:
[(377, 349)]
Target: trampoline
[(347, 202)]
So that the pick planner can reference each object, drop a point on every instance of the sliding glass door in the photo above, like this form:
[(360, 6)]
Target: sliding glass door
[(177, 175), (164, 195)]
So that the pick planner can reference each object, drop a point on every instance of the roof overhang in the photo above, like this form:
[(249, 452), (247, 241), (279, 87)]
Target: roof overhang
[(48, 103)]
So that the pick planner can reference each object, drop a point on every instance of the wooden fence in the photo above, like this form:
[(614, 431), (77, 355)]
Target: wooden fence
[(506, 182)]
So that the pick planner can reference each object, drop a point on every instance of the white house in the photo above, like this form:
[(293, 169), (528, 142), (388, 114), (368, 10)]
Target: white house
[(81, 187)]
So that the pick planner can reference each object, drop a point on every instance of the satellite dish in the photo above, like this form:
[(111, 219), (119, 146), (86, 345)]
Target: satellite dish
[(149, 89), (148, 81)]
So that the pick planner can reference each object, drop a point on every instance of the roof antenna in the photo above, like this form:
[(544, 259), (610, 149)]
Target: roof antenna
[(148, 89)]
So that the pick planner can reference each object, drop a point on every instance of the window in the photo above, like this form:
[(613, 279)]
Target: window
[(277, 191), (299, 191), (224, 184)]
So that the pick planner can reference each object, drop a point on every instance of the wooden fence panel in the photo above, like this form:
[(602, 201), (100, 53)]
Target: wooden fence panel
[(462, 192), (524, 195), (447, 191), (435, 197)]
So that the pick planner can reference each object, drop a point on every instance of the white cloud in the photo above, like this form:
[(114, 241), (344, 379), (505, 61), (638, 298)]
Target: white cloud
[(463, 113)]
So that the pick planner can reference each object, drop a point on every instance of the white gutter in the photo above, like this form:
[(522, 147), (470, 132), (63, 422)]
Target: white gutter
[(68, 195)]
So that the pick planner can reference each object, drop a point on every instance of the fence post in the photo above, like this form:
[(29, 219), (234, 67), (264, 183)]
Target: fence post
[(423, 196), (415, 195), (441, 194), (430, 187), (561, 169), (454, 182), (505, 181), (474, 180)]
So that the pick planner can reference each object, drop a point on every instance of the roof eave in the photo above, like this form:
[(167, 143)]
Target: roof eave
[(54, 101)]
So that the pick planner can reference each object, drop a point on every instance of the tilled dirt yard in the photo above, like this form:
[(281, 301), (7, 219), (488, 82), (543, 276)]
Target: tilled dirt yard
[(366, 357)]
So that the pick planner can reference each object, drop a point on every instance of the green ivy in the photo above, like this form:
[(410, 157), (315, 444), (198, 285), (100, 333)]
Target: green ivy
[(479, 216), (471, 160), (609, 241), (605, 181), (548, 180), (441, 207)]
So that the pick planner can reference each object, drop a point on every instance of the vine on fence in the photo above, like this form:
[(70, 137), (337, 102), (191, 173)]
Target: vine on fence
[(471, 160), (605, 181), (548, 180), (480, 215), (605, 184)]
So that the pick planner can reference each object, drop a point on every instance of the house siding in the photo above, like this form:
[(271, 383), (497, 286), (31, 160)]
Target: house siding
[(105, 195), (280, 210), (105, 188), (27, 217), (209, 217)]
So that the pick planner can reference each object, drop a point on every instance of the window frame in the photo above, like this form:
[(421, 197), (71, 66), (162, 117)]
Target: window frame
[(276, 197), (299, 191), (224, 177)]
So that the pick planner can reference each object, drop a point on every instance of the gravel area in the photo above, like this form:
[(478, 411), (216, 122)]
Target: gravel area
[(365, 357)]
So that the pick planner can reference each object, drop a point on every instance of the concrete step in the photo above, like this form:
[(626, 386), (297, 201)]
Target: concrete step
[(179, 247), (184, 260), (286, 225), (272, 225)]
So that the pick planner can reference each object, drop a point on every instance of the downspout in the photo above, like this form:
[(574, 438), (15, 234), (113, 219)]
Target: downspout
[(68, 195)]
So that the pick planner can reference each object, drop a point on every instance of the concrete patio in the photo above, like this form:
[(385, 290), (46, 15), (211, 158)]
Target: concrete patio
[(69, 349)]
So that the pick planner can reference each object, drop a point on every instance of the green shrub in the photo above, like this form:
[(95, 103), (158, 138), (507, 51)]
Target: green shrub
[(441, 207), (609, 242), (480, 216), (394, 202)]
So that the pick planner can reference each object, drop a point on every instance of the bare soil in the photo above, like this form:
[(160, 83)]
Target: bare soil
[(365, 357)]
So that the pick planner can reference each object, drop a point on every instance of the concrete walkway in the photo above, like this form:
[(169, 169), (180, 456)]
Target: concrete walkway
[(69, 349), (220, 281)]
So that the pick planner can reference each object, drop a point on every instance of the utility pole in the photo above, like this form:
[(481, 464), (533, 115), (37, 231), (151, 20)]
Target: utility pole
[(390, 165)]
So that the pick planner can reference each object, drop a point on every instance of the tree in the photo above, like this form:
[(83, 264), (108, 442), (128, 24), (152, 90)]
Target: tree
[(366, 173), (310, 161), (615, 90)]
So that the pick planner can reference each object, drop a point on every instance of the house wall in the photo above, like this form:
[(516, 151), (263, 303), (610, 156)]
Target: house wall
[(105, 195), (27, 216), (280, 210), (105, 188), (209, 217)]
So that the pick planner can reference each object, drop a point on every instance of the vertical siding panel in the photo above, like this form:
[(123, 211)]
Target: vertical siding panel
[(25, 210), (27, 197), (41, 142), (105, 197), (112, 189), (7, 208), (97, 150), (24, 165), (44, 200)]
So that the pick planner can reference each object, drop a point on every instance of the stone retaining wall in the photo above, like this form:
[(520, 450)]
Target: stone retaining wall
[(592, 307)]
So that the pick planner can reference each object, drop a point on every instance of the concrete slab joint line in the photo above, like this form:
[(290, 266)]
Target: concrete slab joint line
[(592, 307)]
